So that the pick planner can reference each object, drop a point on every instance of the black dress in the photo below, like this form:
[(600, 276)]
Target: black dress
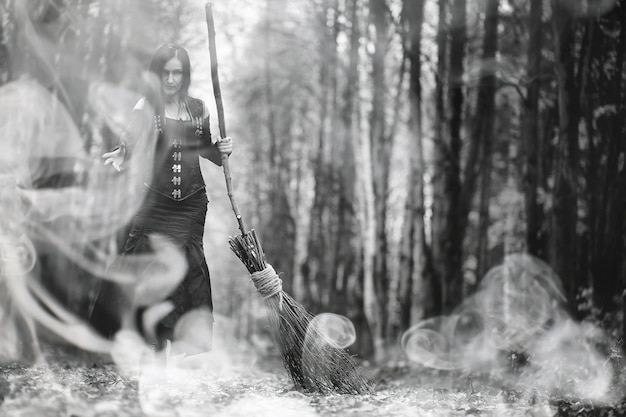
[(175, 206)]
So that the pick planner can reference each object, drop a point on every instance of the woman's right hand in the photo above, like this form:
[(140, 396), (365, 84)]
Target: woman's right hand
[(115, 158)]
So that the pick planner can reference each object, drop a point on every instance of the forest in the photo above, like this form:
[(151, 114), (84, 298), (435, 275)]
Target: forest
[(448, 175), (389, 153), (400, 150)]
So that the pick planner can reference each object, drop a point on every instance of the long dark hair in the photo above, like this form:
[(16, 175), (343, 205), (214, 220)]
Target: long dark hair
[(161, 56)]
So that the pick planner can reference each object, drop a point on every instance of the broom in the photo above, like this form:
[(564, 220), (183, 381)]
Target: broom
[(314, 363)]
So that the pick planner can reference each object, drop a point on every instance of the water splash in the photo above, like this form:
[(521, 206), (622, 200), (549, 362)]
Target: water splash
[(519, 309)]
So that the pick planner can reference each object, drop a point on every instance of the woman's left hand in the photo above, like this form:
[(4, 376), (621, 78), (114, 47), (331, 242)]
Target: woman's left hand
[(225, 145)]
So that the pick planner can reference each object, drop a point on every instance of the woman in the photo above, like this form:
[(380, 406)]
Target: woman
[(176, 202)]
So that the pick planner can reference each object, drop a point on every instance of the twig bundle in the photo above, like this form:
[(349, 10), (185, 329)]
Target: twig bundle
[(314, 363)]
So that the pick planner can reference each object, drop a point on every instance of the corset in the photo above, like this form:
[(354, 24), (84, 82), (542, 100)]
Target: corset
[(177, 172)]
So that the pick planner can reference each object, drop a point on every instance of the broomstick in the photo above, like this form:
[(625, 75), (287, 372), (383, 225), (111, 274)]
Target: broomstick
[(313, 363)]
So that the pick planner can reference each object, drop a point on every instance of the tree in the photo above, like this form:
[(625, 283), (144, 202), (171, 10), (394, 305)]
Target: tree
[(350, 248), (448, 208), (413, 249), (563, 220), (531, 136), (318, 268), (483, 128), (381, 142), (279, 219), (601, 68), (5, 69)]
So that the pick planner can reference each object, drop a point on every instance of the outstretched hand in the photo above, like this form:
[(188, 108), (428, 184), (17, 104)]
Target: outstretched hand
[(115, 158), (225, 145)]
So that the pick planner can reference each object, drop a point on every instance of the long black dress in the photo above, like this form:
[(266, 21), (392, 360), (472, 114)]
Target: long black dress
[(175, 206)]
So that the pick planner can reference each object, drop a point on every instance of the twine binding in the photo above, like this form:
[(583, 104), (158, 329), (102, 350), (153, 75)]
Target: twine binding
[(268, 284)]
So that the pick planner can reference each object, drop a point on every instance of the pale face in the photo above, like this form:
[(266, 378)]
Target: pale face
[(172, 77)]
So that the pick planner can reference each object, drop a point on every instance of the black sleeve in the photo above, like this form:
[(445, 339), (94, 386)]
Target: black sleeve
[(208, 149)]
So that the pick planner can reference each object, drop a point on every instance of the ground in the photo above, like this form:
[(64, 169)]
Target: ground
[(73, 383)]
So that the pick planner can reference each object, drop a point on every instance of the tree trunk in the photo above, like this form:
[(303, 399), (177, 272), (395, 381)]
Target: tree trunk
[(483, 130), (531, 139), (413, 242), (350, 244), (441, 206), (448, 219), (453, 281), (622, 172), (279, 222), (381, 154), (563, 242), (605, 178), (345, 262), (5, 63), (318, 269)]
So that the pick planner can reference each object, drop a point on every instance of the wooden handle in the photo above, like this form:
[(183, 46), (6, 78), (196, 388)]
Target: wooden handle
[(220, 113)]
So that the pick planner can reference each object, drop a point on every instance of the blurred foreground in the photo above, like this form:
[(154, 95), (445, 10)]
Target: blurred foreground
[(78, 384)]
